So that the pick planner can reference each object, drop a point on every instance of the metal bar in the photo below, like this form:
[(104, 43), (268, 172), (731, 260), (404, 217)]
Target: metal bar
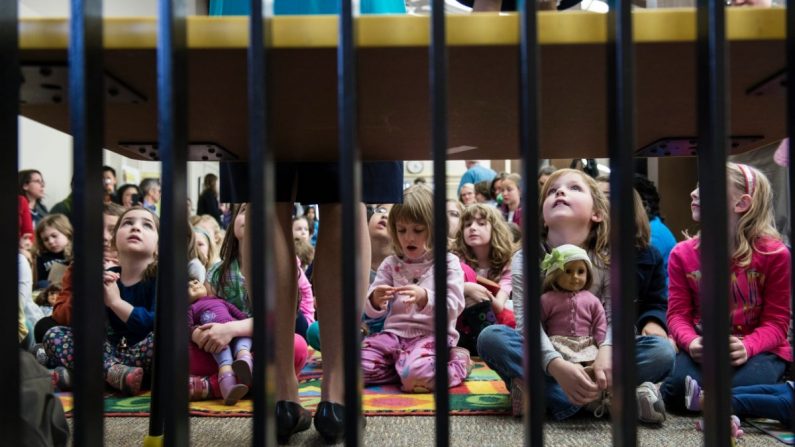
[(529, 100), (438, 85), (621, 143), (262, 185), (86, 109), (350, 194), (712, 125), (790, 168), (9, 230), (171, 344)]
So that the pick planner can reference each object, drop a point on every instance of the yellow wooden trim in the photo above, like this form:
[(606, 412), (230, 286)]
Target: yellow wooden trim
[(555, 28)]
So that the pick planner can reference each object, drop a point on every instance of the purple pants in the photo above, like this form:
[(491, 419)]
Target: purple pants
[(386, 358)]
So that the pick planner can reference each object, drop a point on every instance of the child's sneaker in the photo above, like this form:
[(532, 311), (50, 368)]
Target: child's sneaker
[(124, 378), (692, 394), (41, 355), (517, 397), (651, 408)]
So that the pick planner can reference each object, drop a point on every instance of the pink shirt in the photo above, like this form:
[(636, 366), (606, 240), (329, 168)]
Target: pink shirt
[(405, 320), (759, 297), (505, 280), (307, 299), (573, 314)]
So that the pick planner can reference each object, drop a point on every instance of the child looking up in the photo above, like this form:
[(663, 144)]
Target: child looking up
[(404, 352), (759, 299)]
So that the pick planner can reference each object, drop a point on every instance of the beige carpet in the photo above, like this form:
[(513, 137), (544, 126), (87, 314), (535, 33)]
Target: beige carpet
[(418, 431)]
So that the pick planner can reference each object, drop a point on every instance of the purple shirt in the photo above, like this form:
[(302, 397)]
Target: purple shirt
[(212, 309)]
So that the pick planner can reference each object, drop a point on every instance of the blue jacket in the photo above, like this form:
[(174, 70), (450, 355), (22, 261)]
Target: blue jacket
[(652, 297)]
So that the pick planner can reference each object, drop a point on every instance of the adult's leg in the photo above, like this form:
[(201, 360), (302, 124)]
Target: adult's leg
[(760, 369), (502, 348), (654, 357), (328, 275), (767, 401), (673, 389)]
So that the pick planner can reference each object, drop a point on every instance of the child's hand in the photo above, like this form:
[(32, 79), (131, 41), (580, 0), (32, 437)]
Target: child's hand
[(653, 328), (111, 292), (414, 295), (696, 349), (381, 296), (737, 353), (475, 293)]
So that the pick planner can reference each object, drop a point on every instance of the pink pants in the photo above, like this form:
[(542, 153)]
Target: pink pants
[(386, 358)]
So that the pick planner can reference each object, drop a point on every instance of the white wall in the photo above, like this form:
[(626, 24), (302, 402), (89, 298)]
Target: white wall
[(49, 151)]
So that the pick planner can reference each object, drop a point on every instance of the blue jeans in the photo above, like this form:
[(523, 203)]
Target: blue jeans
[(502, 348), (760, 369), (767, 401)]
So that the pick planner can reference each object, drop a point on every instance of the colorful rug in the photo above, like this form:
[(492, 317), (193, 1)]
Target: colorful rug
[(482, 393)]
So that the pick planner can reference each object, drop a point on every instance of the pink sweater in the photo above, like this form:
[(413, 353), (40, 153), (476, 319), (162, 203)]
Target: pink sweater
[(405, 320), (759, 298), (573, 314)]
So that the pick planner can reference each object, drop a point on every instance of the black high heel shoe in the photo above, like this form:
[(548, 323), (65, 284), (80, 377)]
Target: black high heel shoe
[(330, 422), (291, 418)]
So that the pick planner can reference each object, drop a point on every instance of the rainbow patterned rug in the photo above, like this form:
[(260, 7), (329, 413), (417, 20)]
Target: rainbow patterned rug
[(482, 393)]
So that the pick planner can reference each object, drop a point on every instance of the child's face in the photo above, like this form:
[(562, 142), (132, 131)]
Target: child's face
[(453, 219), (695, 204), (127, 197), (377, 226), (51, 297), (413, 239), (497, 190), (137, 234), (477, 232), (201, 245), (574, 276), (108, 224), (196, 290), (240, 222), (301, 230), (468, 195), (569, 200), (511, 195), (54, 241)]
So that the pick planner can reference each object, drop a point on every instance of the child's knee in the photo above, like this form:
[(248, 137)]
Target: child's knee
[(418, 376)]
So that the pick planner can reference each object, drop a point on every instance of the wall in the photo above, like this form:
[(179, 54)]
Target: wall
[(49, 151)]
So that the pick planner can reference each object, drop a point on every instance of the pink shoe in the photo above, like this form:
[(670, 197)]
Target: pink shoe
[(736, 429), (231, 391), (243, 366), (459, 353)]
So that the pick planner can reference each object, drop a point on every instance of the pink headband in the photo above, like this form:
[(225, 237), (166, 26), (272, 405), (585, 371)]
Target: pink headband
[(750, 178)]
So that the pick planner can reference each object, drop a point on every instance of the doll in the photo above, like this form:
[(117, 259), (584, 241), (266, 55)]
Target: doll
[(573, 318), (234, 377)]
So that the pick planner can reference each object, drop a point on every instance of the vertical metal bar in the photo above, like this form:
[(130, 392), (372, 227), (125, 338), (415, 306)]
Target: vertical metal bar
[(86, 107), (438, 84), (621, 143), (171, 349), (350, 194), (261, 178), (791, 168), (712, 125), (529, 100), (9, 230)]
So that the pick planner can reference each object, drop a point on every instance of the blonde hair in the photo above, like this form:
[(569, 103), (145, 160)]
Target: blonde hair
[(417, 207), (151, 269), (305, 252), (642, 229), (193, 247), (501, 246), (758, 221), (61, 224), (598, 241), (217, 232)]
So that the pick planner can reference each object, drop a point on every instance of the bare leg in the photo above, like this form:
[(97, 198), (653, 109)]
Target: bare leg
[(286, 294), (328, 278)]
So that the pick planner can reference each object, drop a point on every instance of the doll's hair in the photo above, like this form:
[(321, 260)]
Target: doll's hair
[(502, 246), (42, 299), (417, 207), (60, 223), (151, 269), (759, 220), (598, 240)]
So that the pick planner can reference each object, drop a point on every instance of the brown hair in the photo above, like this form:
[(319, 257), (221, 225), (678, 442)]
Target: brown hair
[(642, 229), (61, 224), (501, 246), (230, 250), (151, 269)]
